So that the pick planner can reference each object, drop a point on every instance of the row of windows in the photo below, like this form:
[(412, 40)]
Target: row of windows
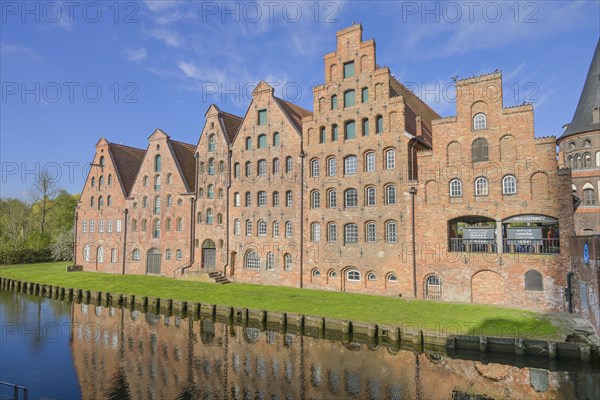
[(350, 130), (210, 192), (584, 161), (586, 143), (109, 226), (101, 181), (353, 275), (261, 141), (261, 199), (351, 163), (157, 203), (261, 169), (210, 166), (509, 186), (209, 217), (351, 197), (156, 225), (351, 232), (99, 254), (136, 254), (589, 194), (252, 261), (100, 201), (261, 228)]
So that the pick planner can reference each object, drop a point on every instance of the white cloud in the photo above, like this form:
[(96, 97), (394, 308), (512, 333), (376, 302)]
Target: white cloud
[(169, 37), (19, 50), (136, 55), (161, 5)]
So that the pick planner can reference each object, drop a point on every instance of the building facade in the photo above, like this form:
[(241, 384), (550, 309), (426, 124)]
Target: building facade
[(372, 192)]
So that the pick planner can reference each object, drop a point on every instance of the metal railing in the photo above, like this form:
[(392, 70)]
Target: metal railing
[(473, 245), (16, 391), (532, 246)]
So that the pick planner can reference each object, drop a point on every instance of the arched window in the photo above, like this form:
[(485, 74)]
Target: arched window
[(350, 165), (101, 183), (479, 121), (349, 98), (209, 216), (287, 261), (262, 199), (100, 202), (351, 233), (509, 185), (589, 197), (276, 229), (136, 255), (332, 232), (145, 180), (93, 182), (270, 261), (349, 130), (571, 145), (108, 200), (322, 135), (275, 166), (248, 227), (587, 160), (221, 166), (156, 205), (276, 139), (248, 143), (236, 226), (371, 276), (262, 168), (248, 199), (289, 164), (479, 150), (587, 143), (179, 254), (92, 201), (236, 170), (168, 222), (315, 199), (109, 179), (391, 232), (157, 163), (392, 278), (456, 188), (315, 232), (179, 226), (144, 201), (248, 168), (481, 187), (315, 168), (331, 166), (212, 145), (262, 228), (432, 287), (220, 219), (211, 166), (202, 168), (252, 260), (334, 133), (168, 254), (370, 199), (288, 230), (598, 159), (262, 141), (371, 232), (351, 198), (334, 102), (390, 159), (236, 199), (316, 273), (156, 228), (364, 94), (100, 254), (379, 124), (333, 274), (134, 225), (288, 198), (390, 195), (144, 225), (365, 127), (534, 281), (101, 162), (370, 161), (275, 199), (331, 198), (353, 275), (221, 193)]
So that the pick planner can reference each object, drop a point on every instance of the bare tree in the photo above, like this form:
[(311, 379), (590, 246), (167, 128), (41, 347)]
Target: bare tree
[(43, 191)]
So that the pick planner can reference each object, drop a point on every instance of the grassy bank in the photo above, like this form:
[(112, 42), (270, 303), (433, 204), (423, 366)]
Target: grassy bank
[(428, 315)]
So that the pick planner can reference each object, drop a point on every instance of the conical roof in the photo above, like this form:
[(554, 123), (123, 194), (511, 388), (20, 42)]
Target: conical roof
[(590, 98)]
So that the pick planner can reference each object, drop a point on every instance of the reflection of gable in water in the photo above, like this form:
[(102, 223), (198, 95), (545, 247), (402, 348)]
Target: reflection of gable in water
[(119, 389)]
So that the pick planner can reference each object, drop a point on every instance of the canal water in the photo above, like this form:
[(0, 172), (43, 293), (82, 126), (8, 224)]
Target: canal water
[(64, 350)]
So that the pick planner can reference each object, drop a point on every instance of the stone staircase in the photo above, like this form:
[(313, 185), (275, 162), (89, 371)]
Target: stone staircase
[(218, 278)]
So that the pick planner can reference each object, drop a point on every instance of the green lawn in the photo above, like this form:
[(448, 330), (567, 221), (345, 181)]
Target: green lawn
[(427, 315)]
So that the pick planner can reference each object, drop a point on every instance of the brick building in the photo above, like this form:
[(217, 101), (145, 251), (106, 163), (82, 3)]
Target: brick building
[(338, 198)]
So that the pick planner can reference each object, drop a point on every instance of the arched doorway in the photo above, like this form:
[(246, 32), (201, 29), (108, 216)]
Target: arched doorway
[(153, 259), (487, 287), (209, 252)]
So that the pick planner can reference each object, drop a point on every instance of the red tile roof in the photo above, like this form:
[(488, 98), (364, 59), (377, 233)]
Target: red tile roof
[(231, 123), (184, 157), (127, 161), (294, 112)]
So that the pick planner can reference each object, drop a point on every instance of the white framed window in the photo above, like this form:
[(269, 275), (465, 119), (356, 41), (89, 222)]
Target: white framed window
[(248, 199), (101, 225), (331, 198), (179, 254), (262, 167), (371, 232), (169, 201), (262, 199), (236, 199), (262, 228), (100, 254), (118, 226), (287, 261), (371, 276), (481, 186), (136, 255), (315, 232), (289, 164), (351, 233), (350, 165), (390, 159), (392, 278), (113, 255), (83, 226), (276, 229), (288, 230), (270, 261), (353, 275), (370, 162), (315, 167), (109, 226), (276, 166), (248, 227), (236, 226), (275, 199), (331, 166), (391, 232), (456, 188), (86, 252), (288, 198), (479, 121), (315, 199), (390, 195), (351, 198), (370, 198), (509, 185), (332, 232), (168, 254)]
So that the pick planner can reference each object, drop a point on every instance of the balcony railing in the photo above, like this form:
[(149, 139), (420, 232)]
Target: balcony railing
[(473, 245), (532, 246)]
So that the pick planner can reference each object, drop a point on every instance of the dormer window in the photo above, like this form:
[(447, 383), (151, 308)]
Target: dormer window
[(349, 69), (479, 121)]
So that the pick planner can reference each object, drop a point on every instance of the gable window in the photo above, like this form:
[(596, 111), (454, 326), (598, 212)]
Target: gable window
[(212, 145), (236, 170), (351, 198), (479, 150), (248, 169), (100, 202), (157, 163), (211, 166), (322, 135), (275, 166), (379, 124), (92, 201), (248, 143), (509, 185), (144, 202), (145, 181), (109, 179), (334, 102), (156, 229), (93, 181), (479, 121), (349, 98), (262, 117), (262, 141), (210, 193), (350, 130), (276, 139), (102, 163), (157, 182), (101, 183), (349, 69), (221, 166), (350, 164), (456, 188), (334, 133), (156, 205), (481, 187), (364, 94)]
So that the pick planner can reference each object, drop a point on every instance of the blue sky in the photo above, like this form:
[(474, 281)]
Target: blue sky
[(74, 72)]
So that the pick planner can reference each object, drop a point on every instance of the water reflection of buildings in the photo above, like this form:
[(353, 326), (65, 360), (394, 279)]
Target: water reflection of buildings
[(124, 354)]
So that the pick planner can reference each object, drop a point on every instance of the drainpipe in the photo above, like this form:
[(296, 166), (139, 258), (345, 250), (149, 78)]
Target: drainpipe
[(75, 218), (227, 187), (125, 213), (192, 230), (302, 156), (413, 192), (568, 294)]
